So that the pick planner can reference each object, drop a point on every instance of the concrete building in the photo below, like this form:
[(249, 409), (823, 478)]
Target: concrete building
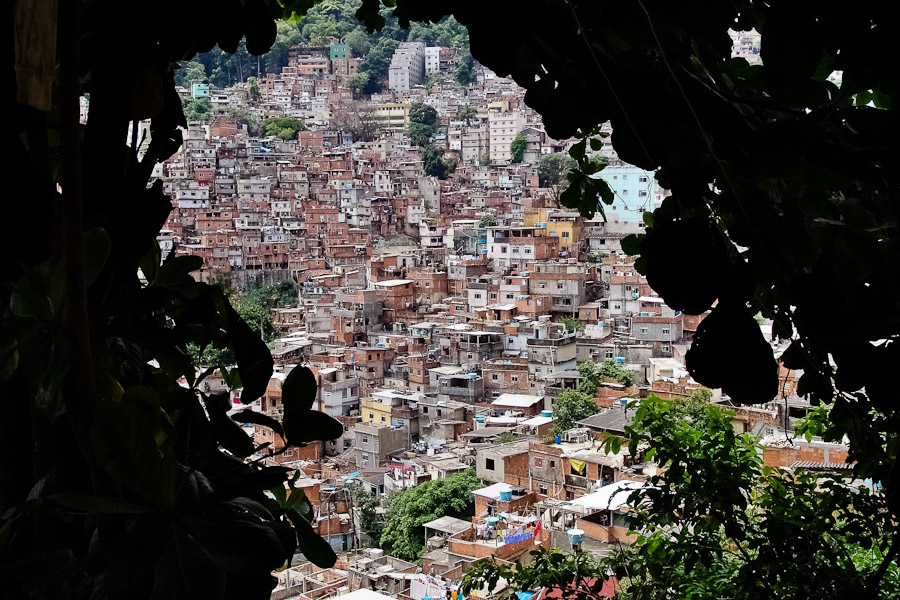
[(407, 66), (503, 128)]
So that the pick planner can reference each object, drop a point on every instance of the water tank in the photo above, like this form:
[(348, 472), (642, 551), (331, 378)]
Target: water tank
[(506, 494), (576, 536), (479, 418), (546, 413), (557, 439)]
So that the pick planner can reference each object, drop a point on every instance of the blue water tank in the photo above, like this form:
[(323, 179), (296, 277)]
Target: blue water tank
[(557, 439)]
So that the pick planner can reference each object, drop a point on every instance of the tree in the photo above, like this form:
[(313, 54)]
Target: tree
[(572, 323), (466, 112), (253, 89), (487, 220), (357, 82), (190, 72), (197, 110), (589, 378), (433, 164), (420, 134), (358, 119), (517, 148), (715, 522), (408, 510), (285, 128), (359, 42), (123, 477), (571, 406), (424, 114), (610, 369), (552, 172), (465, 70), (370, 521)]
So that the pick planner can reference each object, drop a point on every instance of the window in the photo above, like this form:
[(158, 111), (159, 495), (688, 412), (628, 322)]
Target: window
[(643, 179), (624, 192), (469, 356), (608, 354), (509, 296), (627, 288), (503, 249), (494, 377), (552, 464), (624, 177), (665, 347), (371, 416), (514, 378), (642, 193), (539, 462), (559, 285), (542, 490), (489, 464), (643, 330), (665, 330), (570, 495), (478, 295), (365, 440), (365, 456), (425, 410), (382, 418), (527, 250), (565, 234)]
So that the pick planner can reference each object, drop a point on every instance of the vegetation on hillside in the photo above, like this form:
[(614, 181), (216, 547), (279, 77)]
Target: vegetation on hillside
[(408, 510)]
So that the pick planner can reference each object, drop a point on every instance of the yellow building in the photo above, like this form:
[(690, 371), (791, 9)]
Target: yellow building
[(392, 115), (564, 225), (374, 411)]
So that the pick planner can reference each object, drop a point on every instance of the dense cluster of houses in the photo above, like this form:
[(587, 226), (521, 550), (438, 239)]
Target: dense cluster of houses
[(441, 317)]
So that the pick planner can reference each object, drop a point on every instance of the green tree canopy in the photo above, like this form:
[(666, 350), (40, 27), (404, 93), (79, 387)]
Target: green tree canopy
[(434, 164), (419, 134), (424, 114), (466, 112), (610, 369), (487, 220), (717, 523), (408, 510), (517, 148), (284, 127), (197, 110), (465, 70), (190, 72), (571, 406)]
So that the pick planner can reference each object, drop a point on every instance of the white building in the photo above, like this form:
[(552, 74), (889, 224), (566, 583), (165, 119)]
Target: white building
[(432, 60), (407, 66), (503, 127)]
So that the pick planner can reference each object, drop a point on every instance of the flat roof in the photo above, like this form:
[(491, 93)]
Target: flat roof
[(521, 400), (393, 282), (536, 421)]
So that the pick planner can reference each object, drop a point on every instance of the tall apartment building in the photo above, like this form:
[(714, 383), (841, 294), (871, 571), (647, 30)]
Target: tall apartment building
[(503, 127), (407, 66), (432, 60)]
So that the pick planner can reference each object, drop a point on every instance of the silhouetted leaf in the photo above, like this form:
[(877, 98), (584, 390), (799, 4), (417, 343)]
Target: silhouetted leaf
[(258, 418), (309, 426)]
